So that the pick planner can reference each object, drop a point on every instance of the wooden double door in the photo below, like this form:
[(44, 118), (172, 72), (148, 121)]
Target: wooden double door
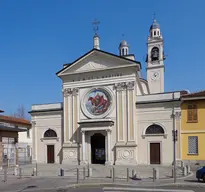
[(50, 154), (155, 153)]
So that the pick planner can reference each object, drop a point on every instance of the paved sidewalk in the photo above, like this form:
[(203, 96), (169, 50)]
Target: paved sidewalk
[(47, 176), (42, 183)]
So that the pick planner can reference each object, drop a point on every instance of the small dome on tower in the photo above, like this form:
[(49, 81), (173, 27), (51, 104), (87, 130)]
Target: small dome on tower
[(123, 44), (124, 48), (155, 25)]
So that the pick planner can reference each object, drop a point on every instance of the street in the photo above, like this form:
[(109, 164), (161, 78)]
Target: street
[(138, 189)]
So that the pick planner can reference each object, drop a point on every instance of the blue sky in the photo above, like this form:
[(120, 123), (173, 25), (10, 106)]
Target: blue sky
[(38, 36)]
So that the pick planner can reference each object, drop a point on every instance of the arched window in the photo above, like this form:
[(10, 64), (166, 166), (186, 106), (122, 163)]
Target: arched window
[(155, 54), (50, 133), (154, 129), (123, 52)]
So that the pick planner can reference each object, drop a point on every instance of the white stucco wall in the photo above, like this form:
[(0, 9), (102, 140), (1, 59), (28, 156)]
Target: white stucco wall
[(160, 114), (23, 140), (45, 121)]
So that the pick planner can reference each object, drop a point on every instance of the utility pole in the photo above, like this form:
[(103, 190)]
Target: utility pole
[(175, 115)]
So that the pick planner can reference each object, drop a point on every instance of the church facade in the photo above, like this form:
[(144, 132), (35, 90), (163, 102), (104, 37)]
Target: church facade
[(110, 114)]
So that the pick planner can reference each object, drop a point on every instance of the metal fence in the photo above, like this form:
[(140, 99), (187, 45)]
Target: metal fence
[(24, 155), (96, 174), (10, 153)]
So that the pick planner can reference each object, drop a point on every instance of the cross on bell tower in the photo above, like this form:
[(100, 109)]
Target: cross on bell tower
[(96, 38)]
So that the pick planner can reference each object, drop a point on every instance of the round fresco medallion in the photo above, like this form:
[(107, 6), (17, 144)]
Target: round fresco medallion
[(97, 102)]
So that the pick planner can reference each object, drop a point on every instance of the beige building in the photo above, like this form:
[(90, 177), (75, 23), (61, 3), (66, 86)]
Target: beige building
[(110, 114)]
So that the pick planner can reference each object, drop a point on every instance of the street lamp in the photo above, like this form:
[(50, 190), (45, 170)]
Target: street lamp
[(175, 115)]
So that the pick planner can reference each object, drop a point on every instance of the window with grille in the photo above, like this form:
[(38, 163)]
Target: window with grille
[(192, 113), (154, 129), (193, 144), (50, 133)]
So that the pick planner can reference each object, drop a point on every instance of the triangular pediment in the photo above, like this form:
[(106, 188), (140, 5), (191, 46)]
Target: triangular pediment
[(96, 60)]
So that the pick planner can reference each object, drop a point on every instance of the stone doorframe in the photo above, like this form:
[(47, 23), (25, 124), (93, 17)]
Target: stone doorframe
[(91, 131)]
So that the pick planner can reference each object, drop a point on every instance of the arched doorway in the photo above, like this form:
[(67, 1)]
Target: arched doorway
[(50, 134), (98, 149), (155, 147)]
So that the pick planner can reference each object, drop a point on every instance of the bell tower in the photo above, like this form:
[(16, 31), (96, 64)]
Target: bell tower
[(155, 59)]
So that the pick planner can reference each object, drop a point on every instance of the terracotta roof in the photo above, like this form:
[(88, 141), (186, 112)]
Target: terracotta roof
[(14, 120), (195, 94)]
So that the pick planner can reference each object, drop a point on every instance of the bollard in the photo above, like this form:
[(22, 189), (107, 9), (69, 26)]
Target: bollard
[(84, 173), (20, 173), (36, 168), (127, 174), (5, 174), (134, 173), (182, 164), (113, 174), (184, 171), (89, 172), (34, 171), (172, 173), (61, 172), (15, 171), (110, 173), (188, 169), (154, 174), (77, 175)]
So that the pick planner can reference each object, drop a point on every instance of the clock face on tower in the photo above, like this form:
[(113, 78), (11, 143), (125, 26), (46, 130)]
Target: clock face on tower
[(155, 75)]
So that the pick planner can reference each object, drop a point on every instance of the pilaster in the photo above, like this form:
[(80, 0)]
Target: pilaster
[(120, 110), (75, 115), (70, 146), (108, 147), (34, 138), (126, 148), (130, 111), (67, 114)]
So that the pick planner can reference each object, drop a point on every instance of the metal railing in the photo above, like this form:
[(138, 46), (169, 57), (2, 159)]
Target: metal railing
[(81, 174)]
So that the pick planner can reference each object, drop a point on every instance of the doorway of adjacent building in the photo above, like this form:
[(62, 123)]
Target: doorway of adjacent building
[(155, 153), (50, 154), (98, 149)]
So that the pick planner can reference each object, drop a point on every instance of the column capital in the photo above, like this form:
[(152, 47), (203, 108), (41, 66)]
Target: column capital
[(130, 85), (75, 91), (67, 92), (108, 130), (82, 131), (33, 123), (120, 86)]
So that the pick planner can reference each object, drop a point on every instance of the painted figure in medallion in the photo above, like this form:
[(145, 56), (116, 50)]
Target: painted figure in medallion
[(97, 102)]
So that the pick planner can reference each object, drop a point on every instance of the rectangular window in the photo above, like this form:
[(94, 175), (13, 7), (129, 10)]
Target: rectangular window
[(192, 113), (193, 144), (28, 133)]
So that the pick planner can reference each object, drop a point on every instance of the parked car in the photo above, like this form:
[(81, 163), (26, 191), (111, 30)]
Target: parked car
[(200, 174)]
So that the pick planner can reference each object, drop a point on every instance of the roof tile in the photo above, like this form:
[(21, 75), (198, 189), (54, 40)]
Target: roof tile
[(195, 94), (14, 120)]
